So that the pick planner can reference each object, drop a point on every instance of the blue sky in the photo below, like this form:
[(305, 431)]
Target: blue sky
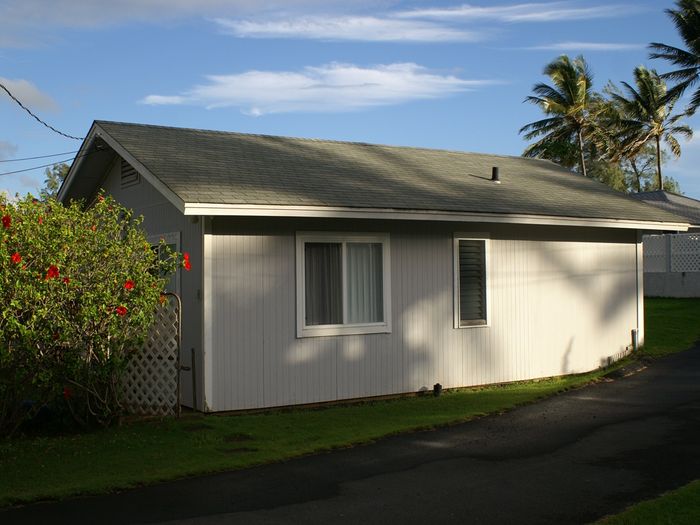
[(433, 74)]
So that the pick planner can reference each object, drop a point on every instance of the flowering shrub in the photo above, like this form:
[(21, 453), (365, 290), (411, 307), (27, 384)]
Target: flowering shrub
[(78, 290)]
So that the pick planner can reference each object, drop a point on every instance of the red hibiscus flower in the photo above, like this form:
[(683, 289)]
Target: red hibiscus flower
[(120, 311), (67, 393), (16, 258), (52, 273), (66, 280), (6, 221), (129, 285), (186, 261)]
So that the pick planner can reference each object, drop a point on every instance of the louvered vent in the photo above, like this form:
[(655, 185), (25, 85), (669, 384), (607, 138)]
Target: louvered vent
[(130, 177), (472, 282)]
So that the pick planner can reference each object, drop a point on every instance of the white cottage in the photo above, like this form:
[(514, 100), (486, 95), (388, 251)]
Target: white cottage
[(329, 270)]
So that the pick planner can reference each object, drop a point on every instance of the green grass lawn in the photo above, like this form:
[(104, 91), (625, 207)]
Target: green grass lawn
[(150, 451), (680, 507), (671, 325)]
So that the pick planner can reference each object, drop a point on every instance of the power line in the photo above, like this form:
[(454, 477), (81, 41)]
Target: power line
[(40, 156), (35, 167), (37, 118), (51, 164)]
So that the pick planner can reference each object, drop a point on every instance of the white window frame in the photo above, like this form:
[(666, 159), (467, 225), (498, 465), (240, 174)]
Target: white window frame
[(169, 238), (341, 329), (487, 271)]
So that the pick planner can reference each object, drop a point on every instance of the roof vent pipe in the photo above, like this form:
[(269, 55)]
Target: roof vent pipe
[(494, 175)]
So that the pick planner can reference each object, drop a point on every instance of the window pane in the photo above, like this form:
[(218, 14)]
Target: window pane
[(472, 282), (324, 283), (365, 284)]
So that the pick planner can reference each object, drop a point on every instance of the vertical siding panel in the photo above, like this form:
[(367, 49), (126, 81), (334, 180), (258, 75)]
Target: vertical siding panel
[(235, 341), (544, 296)]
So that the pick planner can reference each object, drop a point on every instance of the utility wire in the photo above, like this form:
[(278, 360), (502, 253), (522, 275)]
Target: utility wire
[(34, 168), (51, 164), (40, 156), (37, 118)]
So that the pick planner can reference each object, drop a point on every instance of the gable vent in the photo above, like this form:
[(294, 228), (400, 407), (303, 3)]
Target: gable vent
[(130, 177)]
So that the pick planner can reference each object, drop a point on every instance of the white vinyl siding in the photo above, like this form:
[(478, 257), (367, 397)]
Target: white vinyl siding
[(561, 301), (342, 284)]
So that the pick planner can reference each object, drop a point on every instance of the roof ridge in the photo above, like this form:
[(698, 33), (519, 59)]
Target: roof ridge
[(331, 141)]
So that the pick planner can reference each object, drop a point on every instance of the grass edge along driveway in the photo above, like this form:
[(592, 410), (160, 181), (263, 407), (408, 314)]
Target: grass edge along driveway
[(151, 451), (678, 507)]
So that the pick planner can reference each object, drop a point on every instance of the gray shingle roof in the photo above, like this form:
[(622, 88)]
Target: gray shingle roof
[(678, 204), (215, 167)]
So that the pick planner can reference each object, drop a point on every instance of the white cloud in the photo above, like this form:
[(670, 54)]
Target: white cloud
[(586, 46), (165, 100), (27, 93), (528, 12), (359, 28), (7, 150), (29, 22), (94, 13), (328, 88)]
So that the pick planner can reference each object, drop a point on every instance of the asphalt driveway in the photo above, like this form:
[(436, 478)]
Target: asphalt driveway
[(569, 459)]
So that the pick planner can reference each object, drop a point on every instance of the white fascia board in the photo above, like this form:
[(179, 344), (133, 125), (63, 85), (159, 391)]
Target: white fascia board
[(75, 166), (145, 172), (251, 210)]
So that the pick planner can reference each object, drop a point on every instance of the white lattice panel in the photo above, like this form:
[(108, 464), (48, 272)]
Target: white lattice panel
[(151, 379), (655, 253), (685, 252)]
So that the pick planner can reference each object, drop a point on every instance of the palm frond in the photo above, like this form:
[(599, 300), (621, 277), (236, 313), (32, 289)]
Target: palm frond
[(685, 131), (674, 55), (673, 144)]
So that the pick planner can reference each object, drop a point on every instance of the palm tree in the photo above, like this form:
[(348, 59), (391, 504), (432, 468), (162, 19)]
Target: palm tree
[(646, 116), (687, 20), (567, 102)]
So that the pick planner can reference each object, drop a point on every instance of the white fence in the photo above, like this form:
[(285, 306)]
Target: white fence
[(151, 381), (672, 265)]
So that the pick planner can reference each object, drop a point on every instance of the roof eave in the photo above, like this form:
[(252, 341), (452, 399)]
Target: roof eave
[(253, 210), (97, 132)]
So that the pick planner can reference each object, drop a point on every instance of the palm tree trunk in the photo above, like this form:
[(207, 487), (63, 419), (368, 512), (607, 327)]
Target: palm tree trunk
[(580, 152), (633, 163), (658, 162)]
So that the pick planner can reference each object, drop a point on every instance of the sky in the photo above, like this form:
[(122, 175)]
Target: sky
[(439, 74)]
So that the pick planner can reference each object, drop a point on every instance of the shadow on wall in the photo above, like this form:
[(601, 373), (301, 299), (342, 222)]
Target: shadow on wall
[(260, 362), (565, 358)]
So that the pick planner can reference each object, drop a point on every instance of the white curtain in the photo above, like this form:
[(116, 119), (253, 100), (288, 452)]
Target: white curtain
[(365, 287)]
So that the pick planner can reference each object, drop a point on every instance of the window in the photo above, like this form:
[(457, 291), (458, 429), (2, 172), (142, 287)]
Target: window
[(172, 241), (471, 291), (342, 284)]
